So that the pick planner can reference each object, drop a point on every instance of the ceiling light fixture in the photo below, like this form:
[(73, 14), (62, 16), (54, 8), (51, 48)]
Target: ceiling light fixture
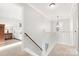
[(51, 4)]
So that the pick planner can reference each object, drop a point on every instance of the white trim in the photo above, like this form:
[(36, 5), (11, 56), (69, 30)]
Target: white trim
[(30, 52)]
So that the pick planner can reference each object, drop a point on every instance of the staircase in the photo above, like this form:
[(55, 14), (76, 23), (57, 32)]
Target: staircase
[(31, 46)]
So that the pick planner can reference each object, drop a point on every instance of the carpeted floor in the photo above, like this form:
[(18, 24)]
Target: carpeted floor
[(63, 50), (58, 50), (14, 50)]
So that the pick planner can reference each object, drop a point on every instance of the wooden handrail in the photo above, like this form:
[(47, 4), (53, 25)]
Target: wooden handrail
[(33, 41)]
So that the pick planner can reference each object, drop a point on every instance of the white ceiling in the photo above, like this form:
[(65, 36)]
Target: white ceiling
[(60, 9)]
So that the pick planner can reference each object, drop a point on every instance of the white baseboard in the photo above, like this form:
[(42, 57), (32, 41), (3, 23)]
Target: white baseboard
[(65, 43), (30, 52)]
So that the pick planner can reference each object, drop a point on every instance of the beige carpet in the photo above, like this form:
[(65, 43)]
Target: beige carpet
[(13, 51), (62, 50), (58, 50)]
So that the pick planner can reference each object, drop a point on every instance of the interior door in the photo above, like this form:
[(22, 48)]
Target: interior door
[(1, 33)]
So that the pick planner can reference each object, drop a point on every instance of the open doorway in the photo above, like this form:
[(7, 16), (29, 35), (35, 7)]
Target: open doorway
[(11, 26)]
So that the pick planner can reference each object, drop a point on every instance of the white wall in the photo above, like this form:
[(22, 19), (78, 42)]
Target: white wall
[(75, 25), (41, 29), (70, 24), (11, 15), (8, 10), (36, 25)]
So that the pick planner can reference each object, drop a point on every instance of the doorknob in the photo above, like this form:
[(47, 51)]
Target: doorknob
[(75, 30)]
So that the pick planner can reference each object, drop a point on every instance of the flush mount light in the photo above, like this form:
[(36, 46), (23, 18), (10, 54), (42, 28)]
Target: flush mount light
[(51, 4)]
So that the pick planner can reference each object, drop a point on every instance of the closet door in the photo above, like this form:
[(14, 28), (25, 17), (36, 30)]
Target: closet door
[(1, 33)]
